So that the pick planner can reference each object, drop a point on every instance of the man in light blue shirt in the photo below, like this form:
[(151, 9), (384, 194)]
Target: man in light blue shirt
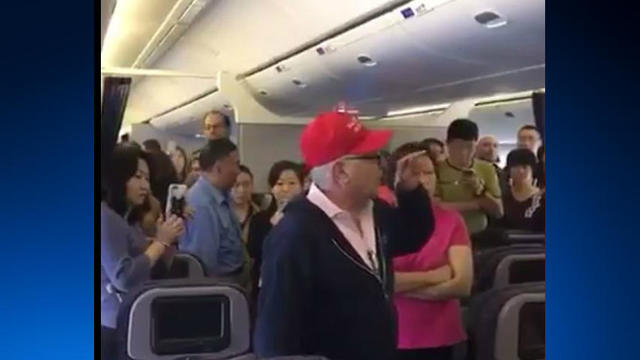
[(214, 234)]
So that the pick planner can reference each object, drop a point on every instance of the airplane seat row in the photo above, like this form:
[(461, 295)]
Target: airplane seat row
[(508, 265), (496, 237), (185, 265), (511, 237), (177, 318), (499, 268), (507, 323), (181, 319)]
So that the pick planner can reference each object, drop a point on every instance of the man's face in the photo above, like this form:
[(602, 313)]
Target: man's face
[(487, 149), (461, 151), (227, 170), (529, 139), (215, 127), (361, 176)]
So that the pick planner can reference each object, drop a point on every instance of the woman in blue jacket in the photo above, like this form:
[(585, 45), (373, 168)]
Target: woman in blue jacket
[(126, 255)]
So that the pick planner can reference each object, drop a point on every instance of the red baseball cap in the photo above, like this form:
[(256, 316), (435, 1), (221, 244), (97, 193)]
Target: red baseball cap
[(332, 135)]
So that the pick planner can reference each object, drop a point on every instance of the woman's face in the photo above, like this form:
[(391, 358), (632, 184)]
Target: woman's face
[(423, 168), (242, 189), (521, 174), (138, 185), (287, 187), (179, 161)]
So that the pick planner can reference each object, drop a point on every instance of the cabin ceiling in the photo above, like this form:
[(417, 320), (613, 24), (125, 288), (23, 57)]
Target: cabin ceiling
[(132, 25), (437, 57)]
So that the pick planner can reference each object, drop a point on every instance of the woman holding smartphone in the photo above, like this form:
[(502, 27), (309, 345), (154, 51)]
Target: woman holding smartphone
[(126, 254), (286, 182)]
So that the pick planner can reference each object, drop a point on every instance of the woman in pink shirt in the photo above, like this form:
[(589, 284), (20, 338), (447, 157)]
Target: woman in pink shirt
[(429, 283)]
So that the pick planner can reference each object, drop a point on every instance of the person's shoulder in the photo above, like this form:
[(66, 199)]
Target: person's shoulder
[(449, 215), (443, 165), (299, 219), (109, 219), (195, 195), (291, 236), (483, 165), (107, 213)]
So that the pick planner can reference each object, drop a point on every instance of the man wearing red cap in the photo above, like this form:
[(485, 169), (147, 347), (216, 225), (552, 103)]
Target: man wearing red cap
[(326, 275)]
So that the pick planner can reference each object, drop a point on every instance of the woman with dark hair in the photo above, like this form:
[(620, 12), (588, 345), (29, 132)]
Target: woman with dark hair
[(126, 255), (243, 206), (164, 174), (180, 163), (524, 202), (286, 182), (430, 282)]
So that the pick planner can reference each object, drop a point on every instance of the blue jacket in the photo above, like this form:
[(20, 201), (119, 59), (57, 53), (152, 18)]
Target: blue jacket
[(317, 295)]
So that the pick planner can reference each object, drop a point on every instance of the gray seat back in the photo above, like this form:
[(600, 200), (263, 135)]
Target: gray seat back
[(518, 269)]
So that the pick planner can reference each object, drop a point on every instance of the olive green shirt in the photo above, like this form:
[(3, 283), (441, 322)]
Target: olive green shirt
[(451, 188)]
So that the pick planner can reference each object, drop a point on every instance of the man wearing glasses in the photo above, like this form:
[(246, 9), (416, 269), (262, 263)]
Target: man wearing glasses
[(326, 275)]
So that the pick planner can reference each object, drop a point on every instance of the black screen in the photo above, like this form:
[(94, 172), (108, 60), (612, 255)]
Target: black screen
[(190, 324), (525, 271), (531, 332)]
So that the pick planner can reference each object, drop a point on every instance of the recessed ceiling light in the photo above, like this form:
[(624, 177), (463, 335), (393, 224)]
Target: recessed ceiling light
[(490, 19), (366, 60), (298, 83)]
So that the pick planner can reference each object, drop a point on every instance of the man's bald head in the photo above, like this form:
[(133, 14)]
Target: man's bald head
[(487, 149)]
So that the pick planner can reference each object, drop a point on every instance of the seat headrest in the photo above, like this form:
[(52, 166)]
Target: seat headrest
[(167, 319)]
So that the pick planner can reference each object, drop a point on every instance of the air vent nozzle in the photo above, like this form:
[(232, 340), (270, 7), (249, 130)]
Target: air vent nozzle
[(490, 19), (366, 60)]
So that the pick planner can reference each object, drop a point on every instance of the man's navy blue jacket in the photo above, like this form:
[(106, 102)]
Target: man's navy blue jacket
[(318, 296)]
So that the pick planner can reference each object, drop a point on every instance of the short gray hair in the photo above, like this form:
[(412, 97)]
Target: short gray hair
[(321, 175)]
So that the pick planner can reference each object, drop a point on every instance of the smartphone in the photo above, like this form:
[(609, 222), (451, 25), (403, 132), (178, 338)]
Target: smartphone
[(175, 200)]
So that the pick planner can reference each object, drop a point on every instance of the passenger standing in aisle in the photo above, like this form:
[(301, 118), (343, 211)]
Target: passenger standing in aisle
[(326, 274), (214, 234)]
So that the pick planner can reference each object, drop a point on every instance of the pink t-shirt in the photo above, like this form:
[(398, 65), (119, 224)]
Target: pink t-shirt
[(422, 323), (386, 194)]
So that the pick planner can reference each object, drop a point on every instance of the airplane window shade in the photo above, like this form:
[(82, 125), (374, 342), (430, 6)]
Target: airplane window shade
[(531, 332), (114, 102), (190, 325), (526, 271), (538, 111)]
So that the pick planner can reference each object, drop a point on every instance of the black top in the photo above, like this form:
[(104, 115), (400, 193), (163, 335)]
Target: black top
[(525, 215), (319, 298), (258, 229)]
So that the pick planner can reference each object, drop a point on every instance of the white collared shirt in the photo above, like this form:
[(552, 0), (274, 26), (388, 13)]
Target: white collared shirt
[(364, 242)]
